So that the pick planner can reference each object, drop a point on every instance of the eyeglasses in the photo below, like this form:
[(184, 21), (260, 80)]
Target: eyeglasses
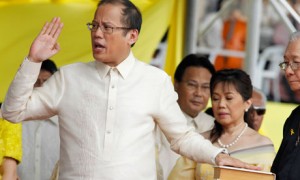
[(105, 29), (195, 86), (294, 65), (259, 110)]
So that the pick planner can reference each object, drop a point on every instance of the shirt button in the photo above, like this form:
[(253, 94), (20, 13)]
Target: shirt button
[(111, 108), (113, 86), (108, 132)]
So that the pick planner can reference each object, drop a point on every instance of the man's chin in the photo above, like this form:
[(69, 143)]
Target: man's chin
[(295, 88), (99, 58), (197, 108), (196, 111)]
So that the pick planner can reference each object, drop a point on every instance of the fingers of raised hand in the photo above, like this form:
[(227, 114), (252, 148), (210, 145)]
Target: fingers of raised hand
[(45, 45), (52, 28)]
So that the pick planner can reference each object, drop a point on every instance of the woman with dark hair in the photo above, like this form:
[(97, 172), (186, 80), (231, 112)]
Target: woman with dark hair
[(231, 92)]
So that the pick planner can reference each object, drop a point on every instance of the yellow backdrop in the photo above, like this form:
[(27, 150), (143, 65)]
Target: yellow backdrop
[(274, 119), (21, 21)]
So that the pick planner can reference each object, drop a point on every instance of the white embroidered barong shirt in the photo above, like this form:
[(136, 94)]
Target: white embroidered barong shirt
[(106, 117)]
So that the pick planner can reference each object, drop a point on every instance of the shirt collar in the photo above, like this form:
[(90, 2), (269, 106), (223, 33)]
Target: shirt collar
[(54, 120), (124, 67), (189, 118)]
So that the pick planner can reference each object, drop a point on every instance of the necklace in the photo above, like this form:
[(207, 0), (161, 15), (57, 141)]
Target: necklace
[(236, 139)]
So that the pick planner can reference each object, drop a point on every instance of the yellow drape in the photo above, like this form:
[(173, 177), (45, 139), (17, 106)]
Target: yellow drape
[(21, 21), (176, 37)]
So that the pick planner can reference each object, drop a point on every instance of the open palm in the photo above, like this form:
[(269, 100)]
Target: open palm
[(45, 44)]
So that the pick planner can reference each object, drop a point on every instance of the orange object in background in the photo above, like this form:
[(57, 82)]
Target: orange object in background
[(234, 38)]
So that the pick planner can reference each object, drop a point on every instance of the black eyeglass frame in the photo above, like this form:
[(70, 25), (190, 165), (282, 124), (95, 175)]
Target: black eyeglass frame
[(293, 65), (105, 29)]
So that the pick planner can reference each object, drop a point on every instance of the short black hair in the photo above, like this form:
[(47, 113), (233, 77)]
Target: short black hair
[(193, 60), (49, 65), (132, 17)]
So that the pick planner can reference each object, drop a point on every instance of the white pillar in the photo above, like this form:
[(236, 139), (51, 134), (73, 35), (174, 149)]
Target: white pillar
[(192, 22), (252, 42)]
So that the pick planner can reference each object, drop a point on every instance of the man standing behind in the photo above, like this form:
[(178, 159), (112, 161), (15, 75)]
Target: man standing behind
[(40, 138), (259, 101), (192, 78), (287, 161)]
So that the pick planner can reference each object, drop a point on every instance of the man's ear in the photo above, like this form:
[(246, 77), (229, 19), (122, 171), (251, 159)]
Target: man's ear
[(133, 36), (176, 84)]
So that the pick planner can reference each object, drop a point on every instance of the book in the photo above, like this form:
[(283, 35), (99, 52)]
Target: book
[(230, 173)]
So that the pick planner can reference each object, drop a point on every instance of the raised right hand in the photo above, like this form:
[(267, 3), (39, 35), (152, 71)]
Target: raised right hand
[(45, 44)]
